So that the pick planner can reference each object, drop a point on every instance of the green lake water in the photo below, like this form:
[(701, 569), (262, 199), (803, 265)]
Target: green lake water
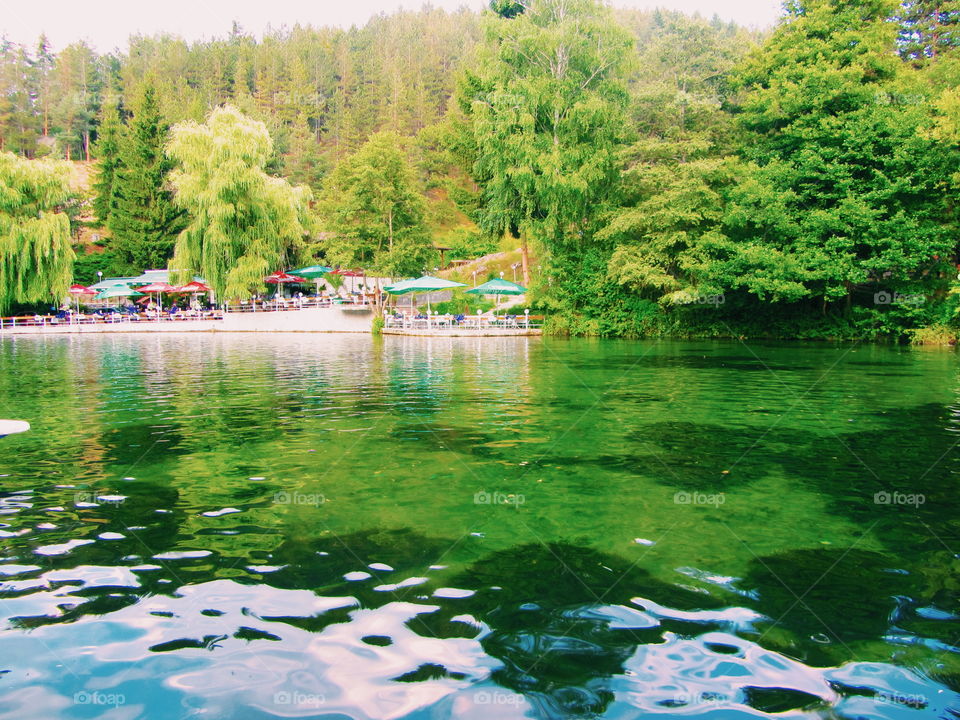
[(234, 526)]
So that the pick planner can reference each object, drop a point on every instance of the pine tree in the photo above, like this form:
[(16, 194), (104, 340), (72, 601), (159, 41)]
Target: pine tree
[(928, 28), (144, 221), (107, 153)]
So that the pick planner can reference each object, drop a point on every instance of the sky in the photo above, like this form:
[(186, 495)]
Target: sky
[(106, 24)]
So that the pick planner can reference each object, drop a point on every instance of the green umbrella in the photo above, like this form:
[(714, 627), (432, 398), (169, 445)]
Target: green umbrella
[(498, 287), (423, 284), (314, 272), (116, 292)]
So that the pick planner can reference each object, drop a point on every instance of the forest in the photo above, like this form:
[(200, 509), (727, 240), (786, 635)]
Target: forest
[(664, 174)]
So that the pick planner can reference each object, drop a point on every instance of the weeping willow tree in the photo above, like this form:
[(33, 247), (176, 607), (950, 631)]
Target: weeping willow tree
[(244, 224), (36, 260)]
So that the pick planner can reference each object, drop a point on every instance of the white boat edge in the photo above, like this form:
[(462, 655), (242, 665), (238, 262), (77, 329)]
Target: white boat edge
[(12, 427)]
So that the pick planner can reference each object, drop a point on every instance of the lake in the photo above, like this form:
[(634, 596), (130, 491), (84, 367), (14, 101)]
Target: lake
[(246, 526)]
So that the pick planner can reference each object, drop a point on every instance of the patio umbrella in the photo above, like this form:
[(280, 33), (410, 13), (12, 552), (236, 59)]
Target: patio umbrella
[(314, 272), (343, 272), (193, 287), (116, 292), (281, 278), (158, 287), (498, 287), (425, 284), (80, 290)]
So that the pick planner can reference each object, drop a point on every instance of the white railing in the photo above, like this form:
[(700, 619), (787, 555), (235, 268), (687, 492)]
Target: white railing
[(107, 319), (467, 322)]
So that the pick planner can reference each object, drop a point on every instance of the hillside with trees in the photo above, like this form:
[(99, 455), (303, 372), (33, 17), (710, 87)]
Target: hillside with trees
[(670, 174)]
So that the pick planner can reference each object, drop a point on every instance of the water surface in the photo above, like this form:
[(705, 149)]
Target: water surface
[(237, 526)]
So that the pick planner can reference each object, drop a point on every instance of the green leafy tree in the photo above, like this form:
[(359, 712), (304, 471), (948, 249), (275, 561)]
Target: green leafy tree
[(36, 259), (244, 224), (144, 221), (547, 103), (847, 192), (107, 153), (374, 210), (678, 173)]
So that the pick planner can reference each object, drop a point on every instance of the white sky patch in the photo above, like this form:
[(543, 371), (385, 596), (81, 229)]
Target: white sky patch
[(106, 24)]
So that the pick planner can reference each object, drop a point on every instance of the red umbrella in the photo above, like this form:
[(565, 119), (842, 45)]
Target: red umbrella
[(279, 278), (349, 273), (193, 287), (157, 287), (79, 290)]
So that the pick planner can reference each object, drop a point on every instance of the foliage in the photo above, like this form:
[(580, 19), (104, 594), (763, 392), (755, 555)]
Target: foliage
[(934, 335), (107, 153), (36, 260), (545, 107), (651, 161), (87, 264), (143, 220), (244, 224), (374, 211)]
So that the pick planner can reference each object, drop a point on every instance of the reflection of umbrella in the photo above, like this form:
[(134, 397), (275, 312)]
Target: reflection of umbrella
[(314, 272), (498, 287), (423, 284)]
